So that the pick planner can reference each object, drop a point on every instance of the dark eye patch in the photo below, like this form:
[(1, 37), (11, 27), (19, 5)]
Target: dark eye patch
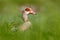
[(27, 9)]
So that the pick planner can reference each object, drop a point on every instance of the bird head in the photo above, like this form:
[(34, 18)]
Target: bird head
[(29, 11)]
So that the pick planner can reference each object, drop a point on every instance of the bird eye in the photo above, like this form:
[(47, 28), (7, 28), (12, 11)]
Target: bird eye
[(27, 9)]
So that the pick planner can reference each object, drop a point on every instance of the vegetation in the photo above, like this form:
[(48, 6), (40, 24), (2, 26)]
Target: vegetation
[(45, 25)]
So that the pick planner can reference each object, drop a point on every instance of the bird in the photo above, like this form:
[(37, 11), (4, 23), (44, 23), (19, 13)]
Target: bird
[(25, 12)]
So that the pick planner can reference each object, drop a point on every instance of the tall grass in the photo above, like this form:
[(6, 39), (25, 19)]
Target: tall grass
[(45, 25)]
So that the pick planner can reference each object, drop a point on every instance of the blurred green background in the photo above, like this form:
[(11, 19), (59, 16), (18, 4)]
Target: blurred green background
[(45, 25)]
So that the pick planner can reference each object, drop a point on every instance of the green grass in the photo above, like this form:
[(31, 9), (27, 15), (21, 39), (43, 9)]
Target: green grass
[(45, 25)]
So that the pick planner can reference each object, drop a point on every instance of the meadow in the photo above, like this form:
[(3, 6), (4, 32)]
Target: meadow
[(45, 25)]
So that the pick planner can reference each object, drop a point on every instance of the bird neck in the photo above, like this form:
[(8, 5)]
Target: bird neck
[(25, 17)]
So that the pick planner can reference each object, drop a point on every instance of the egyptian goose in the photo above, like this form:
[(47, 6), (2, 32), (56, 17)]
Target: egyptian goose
[(26, 23)]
